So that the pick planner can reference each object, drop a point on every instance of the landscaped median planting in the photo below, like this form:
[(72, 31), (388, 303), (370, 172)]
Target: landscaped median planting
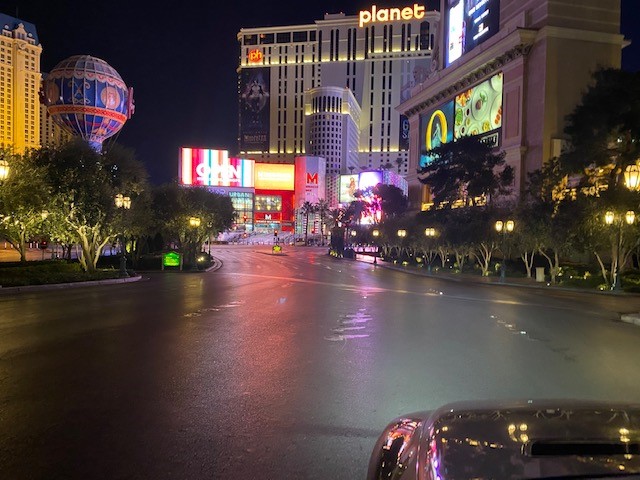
[(49, 272)]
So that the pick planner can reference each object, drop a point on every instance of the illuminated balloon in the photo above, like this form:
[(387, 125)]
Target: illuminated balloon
[(87, 97)]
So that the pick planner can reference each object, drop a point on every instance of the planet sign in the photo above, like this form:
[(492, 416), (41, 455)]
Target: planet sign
[(88, 98)]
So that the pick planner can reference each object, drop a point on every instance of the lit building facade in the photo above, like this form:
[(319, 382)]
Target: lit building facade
[(509, 71), (20, 78), (378, 56)]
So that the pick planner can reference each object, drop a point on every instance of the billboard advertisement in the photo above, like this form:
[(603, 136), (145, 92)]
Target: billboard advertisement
[(310, 179), (469, 22), (369, 179), (478, 110), (436, 128), (203, 166), (273, 176), (348, 187), (254, 109), (415, 72)]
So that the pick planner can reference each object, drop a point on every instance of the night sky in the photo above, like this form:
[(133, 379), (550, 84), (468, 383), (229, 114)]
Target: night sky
[(182, 60)]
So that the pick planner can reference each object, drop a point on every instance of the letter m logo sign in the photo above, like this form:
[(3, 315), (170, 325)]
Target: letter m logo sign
[(312, 178)]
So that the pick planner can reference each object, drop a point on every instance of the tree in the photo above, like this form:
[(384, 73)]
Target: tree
[(393, 201), (83, 195), (24, 200), (323, 210), (603, 131), (187, 216), (466, 170), (83, 184), (307, 209)]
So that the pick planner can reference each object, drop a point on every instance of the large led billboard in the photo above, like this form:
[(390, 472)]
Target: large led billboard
[(203, 166), (272, 176), (369, 179), (437, 128), (348, 187), (476, 111), (254, 109), (469, 23)]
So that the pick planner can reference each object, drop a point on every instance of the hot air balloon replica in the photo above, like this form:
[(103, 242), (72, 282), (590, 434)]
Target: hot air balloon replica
[(87, 97)]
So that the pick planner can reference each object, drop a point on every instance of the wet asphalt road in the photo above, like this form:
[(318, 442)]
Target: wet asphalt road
[(279, 366)]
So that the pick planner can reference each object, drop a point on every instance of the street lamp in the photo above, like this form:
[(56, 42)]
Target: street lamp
[(4, 170), (194, 222), (430, 233), (632, 176), (402, 233), (123, 203), (610, 218), (376, 234), (504, 228)]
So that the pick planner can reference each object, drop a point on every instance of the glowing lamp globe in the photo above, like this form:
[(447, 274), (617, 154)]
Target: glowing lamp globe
[(88, 98)]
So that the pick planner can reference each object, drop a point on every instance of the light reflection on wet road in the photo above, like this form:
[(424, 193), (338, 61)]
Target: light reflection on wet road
[(279, 366)]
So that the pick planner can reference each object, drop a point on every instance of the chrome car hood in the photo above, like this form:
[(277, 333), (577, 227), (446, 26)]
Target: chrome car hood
[(509, 440)]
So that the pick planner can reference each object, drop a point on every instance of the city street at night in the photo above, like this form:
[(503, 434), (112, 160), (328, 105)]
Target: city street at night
[(281, 366)]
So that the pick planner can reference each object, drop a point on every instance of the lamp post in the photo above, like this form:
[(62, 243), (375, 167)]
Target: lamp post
[(194, 223), (430, 233), (123, 203), (375, 233), (610, 218), (504, 228)]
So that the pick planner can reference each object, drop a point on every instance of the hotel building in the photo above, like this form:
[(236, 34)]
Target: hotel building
[(24, 122), (330, 88), (509, 71), (19, 84)]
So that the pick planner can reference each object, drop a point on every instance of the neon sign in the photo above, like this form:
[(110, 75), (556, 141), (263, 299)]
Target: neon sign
[(391, 14), (255, 56)]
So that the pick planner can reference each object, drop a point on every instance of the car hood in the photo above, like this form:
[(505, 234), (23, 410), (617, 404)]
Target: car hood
[(518, 439)]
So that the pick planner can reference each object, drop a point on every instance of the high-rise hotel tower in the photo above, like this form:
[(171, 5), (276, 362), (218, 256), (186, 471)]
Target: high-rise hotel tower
[(19, 84), (330, 88)]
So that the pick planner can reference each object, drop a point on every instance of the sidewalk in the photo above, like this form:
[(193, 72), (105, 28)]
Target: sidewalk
[(521, 282)]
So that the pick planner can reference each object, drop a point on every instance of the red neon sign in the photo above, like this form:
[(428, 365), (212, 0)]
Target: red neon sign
[(255, 56)]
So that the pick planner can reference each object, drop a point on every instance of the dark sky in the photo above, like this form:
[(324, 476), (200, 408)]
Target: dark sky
[(182, 60)]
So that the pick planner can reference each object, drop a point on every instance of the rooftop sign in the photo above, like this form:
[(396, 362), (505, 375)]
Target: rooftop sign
[(391, 14)]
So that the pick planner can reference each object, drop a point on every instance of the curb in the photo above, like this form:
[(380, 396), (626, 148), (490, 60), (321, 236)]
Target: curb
[(633, 318), (55, 286), (469, 279)]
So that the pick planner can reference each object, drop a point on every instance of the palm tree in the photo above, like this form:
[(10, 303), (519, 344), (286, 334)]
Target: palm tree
[(322, 209), (307, 208)]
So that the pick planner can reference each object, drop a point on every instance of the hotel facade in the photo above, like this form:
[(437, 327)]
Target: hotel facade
[(509, 71), (330, 88)]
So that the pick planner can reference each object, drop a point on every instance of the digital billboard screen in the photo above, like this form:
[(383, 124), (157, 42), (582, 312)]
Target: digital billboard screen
[(469, 22), (348, 187), (204, 166), (436, 128), (478, 110), (254, 109), (369, 179), (273, 176)]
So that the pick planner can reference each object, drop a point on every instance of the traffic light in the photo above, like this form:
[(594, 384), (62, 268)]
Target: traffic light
[(275, 233)]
